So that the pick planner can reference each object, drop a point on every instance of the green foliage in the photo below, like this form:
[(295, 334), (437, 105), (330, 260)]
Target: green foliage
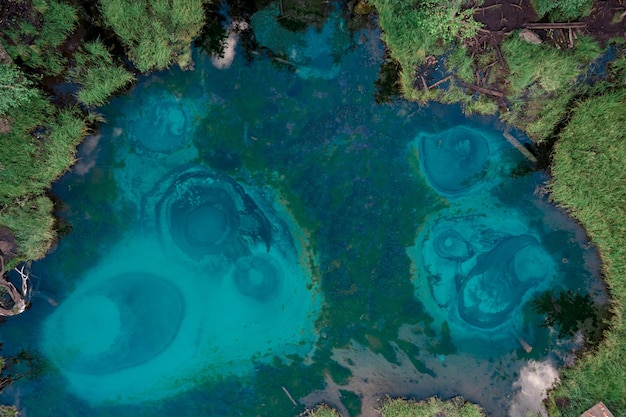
[(99, 76), (543, 64), (31, 158), (59, 20), (456, 407), (588, 179), (31, 221), (460, 63), (414, 31), (15, 89), (562, 10), (35, 39), (322, 410), (481, 105), (11, 411), (548, 80), (156, 32)]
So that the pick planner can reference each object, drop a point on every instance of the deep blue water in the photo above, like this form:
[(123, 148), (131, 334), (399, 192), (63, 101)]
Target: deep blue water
[(250, 228)]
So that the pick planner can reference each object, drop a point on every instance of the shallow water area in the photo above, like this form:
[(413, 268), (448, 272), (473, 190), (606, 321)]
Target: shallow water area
[(244, 231)]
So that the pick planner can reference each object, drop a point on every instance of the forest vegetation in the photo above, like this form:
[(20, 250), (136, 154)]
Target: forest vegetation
[(541, 84)]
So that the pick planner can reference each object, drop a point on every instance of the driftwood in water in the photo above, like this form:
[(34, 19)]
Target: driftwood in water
[(513, 141), (289, 395), (525, 345), (443, 80), (20, 303)]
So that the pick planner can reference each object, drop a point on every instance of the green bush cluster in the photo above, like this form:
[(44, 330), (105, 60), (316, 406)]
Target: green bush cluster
[(15, 88), (35, 38), (97, 74), (433, 406), (156, 32), (322, 410), (543, 81), (39, 147), (562, 10), (414, 31)]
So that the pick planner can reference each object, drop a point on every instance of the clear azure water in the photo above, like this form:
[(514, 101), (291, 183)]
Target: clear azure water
[(248, 229)]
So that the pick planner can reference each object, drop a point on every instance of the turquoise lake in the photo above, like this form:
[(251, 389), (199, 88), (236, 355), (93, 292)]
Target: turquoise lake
[(258, 229)]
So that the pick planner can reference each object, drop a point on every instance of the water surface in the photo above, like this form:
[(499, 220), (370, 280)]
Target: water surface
[(249, 229)]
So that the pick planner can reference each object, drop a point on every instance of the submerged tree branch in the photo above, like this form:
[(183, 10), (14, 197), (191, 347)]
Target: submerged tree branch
[(20, 302)]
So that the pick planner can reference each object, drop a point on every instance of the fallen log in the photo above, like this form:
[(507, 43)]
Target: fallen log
[(438, 83), (513, 141), (566, 25)]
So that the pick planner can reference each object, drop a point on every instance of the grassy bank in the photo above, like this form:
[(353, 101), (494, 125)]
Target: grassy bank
[(399, 407), (45, 44), (589, 179)]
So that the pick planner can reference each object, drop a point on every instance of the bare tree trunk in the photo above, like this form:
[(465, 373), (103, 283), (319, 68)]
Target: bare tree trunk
[(20, 302)]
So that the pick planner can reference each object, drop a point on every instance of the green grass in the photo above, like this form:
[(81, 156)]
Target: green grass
[(320, 411), (460, 63), (35, 37), (413, 31), (59, 21), (562, 10), (31, 158), (543, 82), (552, 69), (156, 33), (589, 179), (15, 88), (431, 407), (98, 74), (31, 220)]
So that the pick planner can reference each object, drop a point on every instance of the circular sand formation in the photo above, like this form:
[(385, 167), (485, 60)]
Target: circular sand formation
[(455, 160), (491, 290), (206, 214), (481, 270), (203, 221), (162, 125), (449, 244), (259, 277), (118, 324)]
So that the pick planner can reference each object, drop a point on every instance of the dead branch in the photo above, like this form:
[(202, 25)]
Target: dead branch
[(483, 90), (501, 59), (20, 303), (438, 83)]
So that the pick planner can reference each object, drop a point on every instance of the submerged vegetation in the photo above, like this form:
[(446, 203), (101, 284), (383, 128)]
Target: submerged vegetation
[(536, 86)]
